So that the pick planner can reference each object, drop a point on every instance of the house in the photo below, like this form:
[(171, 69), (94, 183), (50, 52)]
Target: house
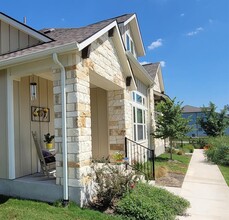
[(86, 86), (193, 113)]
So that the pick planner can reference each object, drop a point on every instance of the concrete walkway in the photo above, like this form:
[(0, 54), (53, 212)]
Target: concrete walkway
[(206, 189)]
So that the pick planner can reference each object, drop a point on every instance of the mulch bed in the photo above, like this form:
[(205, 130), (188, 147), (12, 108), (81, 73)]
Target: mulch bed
[(171, 179)]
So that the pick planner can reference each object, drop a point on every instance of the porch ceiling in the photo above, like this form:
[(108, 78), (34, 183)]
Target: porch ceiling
[(99, 81)]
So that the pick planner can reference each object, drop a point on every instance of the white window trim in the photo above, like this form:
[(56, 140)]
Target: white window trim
[(137, 105), (130, 40)]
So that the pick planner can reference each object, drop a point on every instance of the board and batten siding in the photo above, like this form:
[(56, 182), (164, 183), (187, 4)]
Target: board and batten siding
[(141, 87), (12, 39), (99, 123), (25, 152)]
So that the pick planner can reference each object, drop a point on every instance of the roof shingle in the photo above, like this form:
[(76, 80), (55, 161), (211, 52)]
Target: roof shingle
[(63, 36)]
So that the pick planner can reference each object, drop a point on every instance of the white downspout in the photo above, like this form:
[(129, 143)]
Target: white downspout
[(64, 133), (149, 116)]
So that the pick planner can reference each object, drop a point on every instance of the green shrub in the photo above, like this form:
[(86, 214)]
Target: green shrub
[(218, 150), (147, 202), (221, 155), (111, 182)]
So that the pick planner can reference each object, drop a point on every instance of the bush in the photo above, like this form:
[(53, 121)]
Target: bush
[(180, 152), (111, 182), (188, 148), (161, 171), (147, 202), (218, 150)]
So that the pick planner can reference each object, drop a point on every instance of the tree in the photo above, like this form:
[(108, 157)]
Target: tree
[(170, 123), (214, 123)]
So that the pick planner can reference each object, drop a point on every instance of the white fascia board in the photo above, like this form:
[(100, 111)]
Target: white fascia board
[(37, 55), (140, 67), (137, 32), (24, 28), (96, 35), (123, 51), (159, 72)]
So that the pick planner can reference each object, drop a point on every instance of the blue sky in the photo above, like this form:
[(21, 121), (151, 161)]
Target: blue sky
[(190, 37)]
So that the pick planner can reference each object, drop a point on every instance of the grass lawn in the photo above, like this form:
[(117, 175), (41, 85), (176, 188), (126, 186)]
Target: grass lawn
[(24, 209), (180, 166), (225, 171)]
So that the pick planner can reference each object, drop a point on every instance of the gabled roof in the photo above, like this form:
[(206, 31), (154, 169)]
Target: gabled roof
[(191, 109), (25, 28), (61, 36), (152, 68)]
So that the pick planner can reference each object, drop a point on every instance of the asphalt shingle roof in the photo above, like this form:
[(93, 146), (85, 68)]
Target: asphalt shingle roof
[(62, 36), (151, 68), (191, 109)]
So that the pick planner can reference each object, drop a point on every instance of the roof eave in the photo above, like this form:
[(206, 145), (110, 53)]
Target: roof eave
[(145, 77), (25, 28), (37, 55)]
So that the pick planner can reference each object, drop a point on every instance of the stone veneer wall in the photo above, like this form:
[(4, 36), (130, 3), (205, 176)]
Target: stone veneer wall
[(78, 121), (119, 119), (104, 62)]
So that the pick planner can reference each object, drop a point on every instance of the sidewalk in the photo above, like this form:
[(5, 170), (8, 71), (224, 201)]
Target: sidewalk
[(206, 189)]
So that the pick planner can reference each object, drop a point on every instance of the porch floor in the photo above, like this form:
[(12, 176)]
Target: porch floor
[(37, 177), (35, 187)]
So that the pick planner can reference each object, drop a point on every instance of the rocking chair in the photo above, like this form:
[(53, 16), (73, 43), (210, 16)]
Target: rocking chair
[(47, 167)]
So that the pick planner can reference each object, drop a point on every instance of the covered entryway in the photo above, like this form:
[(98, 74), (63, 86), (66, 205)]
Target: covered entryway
[(29, 116)]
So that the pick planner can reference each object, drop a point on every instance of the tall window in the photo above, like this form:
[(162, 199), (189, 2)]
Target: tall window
[(130, 44), (139, 116)]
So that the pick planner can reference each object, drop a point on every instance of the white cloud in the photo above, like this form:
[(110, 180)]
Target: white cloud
[(162, 63), (195, 32), (182, 15), (155, 44), (144, 62)]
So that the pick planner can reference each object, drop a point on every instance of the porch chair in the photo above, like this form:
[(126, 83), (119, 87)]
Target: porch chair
[(48, 168)]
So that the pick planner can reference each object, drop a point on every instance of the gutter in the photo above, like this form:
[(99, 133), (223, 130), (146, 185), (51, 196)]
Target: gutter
[(36, 55), (147, 78), (64, 131)]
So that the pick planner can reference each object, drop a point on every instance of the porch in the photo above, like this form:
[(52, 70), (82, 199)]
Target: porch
[(37, 187)]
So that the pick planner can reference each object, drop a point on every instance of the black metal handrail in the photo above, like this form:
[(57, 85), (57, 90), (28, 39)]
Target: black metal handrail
[(140, 158)]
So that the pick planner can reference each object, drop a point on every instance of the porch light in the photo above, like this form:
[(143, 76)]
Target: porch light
[(33, 90)]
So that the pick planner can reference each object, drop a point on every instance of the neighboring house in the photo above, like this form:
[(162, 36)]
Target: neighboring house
[(96, 93), (193, 113)]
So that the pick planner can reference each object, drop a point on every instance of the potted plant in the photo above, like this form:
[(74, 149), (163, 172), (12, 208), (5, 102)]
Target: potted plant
[(48, 140), (118, 157)]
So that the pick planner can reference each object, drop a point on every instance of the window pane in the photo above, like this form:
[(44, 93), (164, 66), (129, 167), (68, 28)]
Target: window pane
[(127, 42), (134, 114), (135, 136), (139, 116), (140, 132), (138, 98)]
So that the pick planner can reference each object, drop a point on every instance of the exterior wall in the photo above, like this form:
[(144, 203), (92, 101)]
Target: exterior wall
[(3, 125), (157, 84), (157, 144), (25, 152), (78, 121), (120, 119), (104, 61), (12, 39), (99, 123)]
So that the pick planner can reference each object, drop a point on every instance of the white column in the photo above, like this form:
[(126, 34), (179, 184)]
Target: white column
[(10, 127)]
